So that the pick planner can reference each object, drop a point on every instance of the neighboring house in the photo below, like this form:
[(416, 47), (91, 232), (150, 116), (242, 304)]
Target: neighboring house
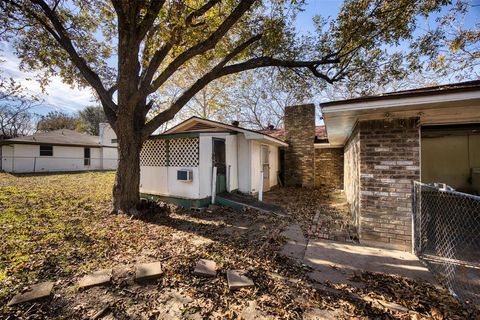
[(384, 143), (60, 150), (178, 164)]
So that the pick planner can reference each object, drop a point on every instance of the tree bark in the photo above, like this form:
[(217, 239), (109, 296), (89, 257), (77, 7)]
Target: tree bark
[(126, 190)]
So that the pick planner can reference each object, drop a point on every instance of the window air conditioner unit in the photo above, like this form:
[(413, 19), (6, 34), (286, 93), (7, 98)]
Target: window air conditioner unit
[(184, 175)]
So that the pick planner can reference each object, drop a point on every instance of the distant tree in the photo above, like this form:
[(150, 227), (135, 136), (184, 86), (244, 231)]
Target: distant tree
[(259, 97), (451, 48), (55, 120), (16, 104), (90, 119)]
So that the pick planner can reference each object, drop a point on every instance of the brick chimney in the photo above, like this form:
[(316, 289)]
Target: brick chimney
[(299, 125)]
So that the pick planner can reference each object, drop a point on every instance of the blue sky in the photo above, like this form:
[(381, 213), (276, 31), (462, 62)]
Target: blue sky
[(60, 96)]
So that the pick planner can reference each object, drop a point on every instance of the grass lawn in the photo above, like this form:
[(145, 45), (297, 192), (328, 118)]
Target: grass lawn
[(58, 227)]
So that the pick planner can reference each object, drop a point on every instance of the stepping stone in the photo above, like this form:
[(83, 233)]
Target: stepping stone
[(236, 280), (37, 291), (148, 271), (206, 268), (97, 278)]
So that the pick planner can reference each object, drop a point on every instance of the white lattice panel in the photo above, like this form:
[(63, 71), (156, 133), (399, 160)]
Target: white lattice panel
[(184, 152), (154, 153)]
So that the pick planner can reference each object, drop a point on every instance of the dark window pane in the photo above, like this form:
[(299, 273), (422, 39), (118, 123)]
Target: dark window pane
[(86, 156), (46, 150)]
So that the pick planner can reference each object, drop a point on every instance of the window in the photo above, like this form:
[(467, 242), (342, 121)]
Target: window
[(46, 151), (86, 156), (113, 141)]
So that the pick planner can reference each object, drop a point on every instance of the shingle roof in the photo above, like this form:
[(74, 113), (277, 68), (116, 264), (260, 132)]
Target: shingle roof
[(320, 133), (58, 137)]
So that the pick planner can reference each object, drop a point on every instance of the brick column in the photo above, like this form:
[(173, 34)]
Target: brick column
[(389, 162), (300, 135)]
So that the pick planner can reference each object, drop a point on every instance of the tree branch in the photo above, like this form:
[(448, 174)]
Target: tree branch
[(150, 16), (155, 62), (200, 12), (198, 85), (222, 70), (61, 36), (203, 46)]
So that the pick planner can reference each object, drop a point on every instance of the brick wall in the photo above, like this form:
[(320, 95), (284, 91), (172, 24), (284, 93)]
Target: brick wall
[(352, 175), (329, 168), (299, 124), (389, 162)]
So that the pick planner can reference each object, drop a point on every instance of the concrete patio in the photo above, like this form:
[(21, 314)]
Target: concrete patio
[(336, 261)]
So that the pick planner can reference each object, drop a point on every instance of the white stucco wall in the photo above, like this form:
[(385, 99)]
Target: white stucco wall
[(205, 166), (107, 134), (163, 181), (109, 158), (232, 162), (243, 165), (26, 158), (242, 160), (256, 164)]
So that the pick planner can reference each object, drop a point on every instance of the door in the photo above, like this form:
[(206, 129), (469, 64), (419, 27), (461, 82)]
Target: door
[(86, 156), (219, 162), (265, 155)]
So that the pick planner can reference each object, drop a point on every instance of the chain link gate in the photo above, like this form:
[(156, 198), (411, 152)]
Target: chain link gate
[(446, 230)]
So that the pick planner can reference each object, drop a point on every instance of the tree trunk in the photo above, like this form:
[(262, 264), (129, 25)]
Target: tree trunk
[(126, 193)]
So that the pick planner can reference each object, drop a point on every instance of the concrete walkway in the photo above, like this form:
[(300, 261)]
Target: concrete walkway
[(337, 261)]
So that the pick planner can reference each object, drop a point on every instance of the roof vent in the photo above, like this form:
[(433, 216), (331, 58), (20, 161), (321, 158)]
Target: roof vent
[(235, 123)]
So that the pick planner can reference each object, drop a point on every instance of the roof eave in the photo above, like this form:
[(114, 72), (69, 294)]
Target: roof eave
[(397, 101)]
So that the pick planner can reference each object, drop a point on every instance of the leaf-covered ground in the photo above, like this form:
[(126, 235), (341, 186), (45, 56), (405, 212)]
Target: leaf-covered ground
[(58, 227)]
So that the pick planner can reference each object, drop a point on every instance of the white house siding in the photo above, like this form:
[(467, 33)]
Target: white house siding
[(243, 147), (242, 161), (107, 135), (256, 164), (232, 163), (163, 181), (109, 158), (205, 166), (26, 158)]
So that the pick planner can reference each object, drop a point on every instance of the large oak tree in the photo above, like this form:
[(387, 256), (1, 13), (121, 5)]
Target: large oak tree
[(152, 40)]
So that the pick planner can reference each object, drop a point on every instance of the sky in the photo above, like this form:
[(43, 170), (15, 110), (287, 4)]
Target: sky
[(62, 97)]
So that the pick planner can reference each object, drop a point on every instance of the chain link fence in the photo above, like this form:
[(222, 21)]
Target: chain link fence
[(447, 237)]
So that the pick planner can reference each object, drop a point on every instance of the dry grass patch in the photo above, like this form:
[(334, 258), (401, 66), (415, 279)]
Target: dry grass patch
[(58, 227)]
